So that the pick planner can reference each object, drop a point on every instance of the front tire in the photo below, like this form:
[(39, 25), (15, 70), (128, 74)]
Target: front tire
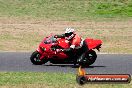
[(35, 58)]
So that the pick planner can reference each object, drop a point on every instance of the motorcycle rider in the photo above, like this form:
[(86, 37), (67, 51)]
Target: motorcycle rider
[(72, 38), (75, 41)]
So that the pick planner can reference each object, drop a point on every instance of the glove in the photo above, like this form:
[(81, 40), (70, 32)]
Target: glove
[(58, 50), (55, 36)]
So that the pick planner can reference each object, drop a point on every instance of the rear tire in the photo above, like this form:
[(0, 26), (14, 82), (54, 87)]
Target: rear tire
[(88, 59), (35, 58)]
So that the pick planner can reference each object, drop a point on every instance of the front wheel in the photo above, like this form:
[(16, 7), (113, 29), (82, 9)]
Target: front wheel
[(35, 58), (88, 59)]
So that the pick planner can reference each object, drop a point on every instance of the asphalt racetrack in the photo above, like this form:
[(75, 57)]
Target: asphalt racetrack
[(105, 64)]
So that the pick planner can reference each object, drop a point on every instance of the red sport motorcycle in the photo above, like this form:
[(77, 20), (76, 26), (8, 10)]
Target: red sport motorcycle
[(47, 52)]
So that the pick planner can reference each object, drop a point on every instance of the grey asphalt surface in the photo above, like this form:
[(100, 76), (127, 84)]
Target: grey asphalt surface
[(105, 64)]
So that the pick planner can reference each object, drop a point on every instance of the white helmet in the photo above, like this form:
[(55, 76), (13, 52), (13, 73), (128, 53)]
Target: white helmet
[(69, 33), (69, 30)]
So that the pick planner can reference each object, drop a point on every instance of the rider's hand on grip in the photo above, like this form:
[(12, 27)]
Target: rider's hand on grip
[(55, 36), (58, 50)]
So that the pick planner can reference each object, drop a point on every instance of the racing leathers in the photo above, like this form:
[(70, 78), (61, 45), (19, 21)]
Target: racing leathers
[(75, 42)]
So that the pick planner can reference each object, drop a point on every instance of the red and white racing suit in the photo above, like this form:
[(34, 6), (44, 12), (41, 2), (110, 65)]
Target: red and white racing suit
[(75, 43)]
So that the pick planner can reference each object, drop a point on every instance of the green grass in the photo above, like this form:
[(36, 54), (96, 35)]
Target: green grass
[(67, 9), (47, 80), (14, 78)]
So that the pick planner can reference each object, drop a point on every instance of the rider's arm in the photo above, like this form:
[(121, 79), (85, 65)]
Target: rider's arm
[(60, 36), (76, 41)]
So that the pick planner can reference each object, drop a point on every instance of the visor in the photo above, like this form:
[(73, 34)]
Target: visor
[(68, 34)]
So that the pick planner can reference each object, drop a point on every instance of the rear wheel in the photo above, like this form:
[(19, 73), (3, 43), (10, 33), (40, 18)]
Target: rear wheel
[(35, 58), (88, 59)]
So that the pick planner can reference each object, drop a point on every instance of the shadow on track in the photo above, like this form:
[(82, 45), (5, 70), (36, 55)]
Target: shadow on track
[(72, 66)]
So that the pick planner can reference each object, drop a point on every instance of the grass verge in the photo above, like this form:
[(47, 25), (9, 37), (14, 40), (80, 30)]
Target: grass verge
[(47, 80), (23, 23), (71, 10)]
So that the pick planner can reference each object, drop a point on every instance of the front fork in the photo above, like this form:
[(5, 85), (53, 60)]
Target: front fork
[(41, 53)]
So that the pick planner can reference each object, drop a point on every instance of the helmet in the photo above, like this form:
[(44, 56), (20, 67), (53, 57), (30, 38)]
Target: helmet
[(69, 33)]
